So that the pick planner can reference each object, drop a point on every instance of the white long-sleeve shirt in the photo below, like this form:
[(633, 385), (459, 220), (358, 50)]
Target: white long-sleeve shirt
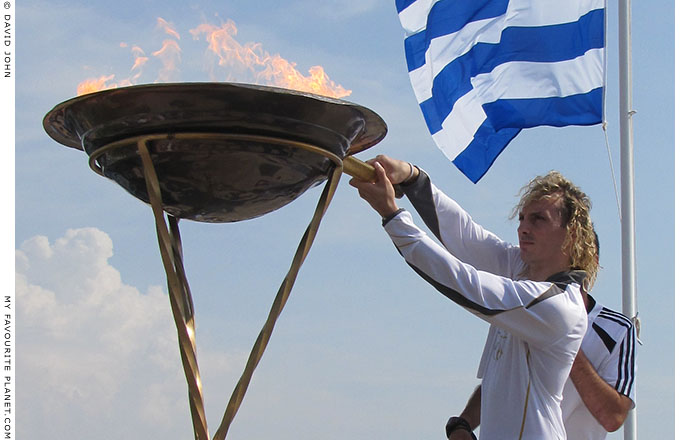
[(536, 327)]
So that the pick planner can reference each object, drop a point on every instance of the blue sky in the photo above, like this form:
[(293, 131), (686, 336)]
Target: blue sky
[(364, 349)]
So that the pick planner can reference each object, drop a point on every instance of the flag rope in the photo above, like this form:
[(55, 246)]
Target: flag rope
[(613, 172)]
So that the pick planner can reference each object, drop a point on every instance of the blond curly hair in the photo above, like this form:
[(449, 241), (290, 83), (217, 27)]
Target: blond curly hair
[(575, 206)]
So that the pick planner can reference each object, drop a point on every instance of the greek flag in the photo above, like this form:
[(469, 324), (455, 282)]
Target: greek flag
[(482, 70)]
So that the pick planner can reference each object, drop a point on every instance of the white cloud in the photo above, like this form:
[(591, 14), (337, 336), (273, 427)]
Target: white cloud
[(92, 347)]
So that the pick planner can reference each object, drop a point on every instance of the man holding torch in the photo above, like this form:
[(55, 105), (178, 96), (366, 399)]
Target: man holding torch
[(530, 294)]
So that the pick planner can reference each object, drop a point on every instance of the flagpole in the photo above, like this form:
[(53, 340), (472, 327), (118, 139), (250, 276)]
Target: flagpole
[(627, 183)]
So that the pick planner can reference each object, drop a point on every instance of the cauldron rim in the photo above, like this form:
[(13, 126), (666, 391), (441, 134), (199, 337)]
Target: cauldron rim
[(68, 122)]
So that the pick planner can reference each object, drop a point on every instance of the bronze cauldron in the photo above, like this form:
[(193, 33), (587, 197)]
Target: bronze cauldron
[(223, 152)]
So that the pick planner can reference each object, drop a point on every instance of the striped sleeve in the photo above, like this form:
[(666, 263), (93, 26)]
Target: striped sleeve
[(620, 369), (540, 313), (459, 234)]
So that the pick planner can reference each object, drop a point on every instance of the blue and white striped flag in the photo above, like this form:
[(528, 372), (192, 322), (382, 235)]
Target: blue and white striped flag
[(482, 70)]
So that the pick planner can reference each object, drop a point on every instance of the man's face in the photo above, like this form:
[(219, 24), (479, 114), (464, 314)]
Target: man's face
[(541, 234)]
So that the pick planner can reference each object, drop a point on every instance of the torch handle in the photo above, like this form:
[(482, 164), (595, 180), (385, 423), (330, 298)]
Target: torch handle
[(356, 168)]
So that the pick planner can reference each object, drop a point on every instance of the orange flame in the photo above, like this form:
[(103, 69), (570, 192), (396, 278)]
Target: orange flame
[(169, 55), (231, 54), (232, 60), (282, 73), (167, 27), (91, 85), (272, 69), (139, 60)]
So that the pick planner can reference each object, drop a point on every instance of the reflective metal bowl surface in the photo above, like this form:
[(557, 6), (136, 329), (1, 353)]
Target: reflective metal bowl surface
[(223, 152)]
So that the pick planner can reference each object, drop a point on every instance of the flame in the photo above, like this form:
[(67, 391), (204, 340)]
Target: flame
[(230, 53), (169, 55), (139, 61), (91, 85), (282, 73), (268, 69), (167, 27), (227, 59)]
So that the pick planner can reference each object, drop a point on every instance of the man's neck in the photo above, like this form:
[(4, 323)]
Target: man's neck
[(544, 272)]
